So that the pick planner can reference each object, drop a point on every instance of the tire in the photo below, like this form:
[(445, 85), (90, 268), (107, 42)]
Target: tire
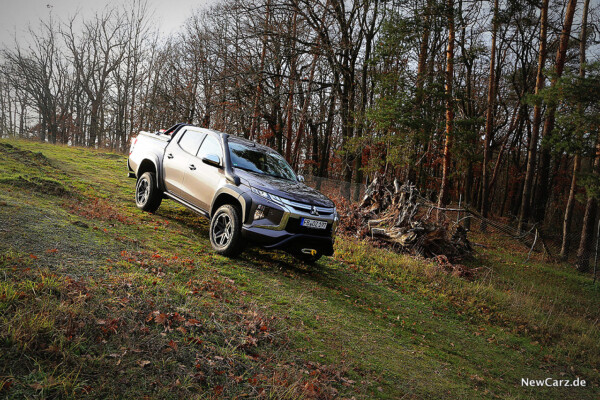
[(307, 258), (147, 195), (226, 231)]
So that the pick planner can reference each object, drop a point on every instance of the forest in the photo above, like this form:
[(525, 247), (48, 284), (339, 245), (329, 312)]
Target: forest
[(493, 104)]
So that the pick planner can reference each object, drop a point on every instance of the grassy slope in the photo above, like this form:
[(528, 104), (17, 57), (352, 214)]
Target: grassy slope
[(100, 299)]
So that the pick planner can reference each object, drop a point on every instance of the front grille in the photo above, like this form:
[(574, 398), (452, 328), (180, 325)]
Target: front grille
[(324, 211), (293, 226)]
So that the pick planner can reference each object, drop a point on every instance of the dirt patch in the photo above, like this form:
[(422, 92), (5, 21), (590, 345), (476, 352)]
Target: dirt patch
[(47, 235), (24, 156), (39, 185)]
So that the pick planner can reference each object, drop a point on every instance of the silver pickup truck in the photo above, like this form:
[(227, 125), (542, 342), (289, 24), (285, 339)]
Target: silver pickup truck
[(247, 190)]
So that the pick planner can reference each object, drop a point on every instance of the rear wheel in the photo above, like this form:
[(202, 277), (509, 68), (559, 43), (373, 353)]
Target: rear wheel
[(147, 195), (226, 231)]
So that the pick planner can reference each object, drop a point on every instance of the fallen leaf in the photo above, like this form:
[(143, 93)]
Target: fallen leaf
[(160, 318), (192, 322), (6, 385), (196, 340)]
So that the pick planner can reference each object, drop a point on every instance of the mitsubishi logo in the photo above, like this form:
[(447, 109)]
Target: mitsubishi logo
[(313, 211)]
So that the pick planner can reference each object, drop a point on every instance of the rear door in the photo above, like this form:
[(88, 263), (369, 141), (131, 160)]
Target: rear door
[(201, 182), (177, 157)]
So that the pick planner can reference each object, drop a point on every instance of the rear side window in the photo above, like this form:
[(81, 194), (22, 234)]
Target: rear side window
[(190, 141), (210, 146)]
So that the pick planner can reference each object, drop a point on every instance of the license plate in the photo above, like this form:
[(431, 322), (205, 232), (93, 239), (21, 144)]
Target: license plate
[(311, 223)]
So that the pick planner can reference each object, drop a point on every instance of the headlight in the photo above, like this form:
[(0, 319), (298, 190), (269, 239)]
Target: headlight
[(266, 195)]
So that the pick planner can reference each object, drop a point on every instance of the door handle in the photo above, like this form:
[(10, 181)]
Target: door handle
[(169, 156), (192, 167)]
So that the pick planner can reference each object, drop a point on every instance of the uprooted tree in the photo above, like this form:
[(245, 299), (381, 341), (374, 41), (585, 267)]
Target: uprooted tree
[(398, 215)]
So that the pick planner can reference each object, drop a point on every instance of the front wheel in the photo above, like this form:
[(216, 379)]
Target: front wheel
[(147, 194), (226, 231)]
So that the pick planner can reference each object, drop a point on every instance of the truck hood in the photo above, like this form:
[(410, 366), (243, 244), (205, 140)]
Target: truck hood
[(295, 191)]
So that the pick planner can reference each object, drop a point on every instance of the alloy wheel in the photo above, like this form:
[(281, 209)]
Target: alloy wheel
[(222, 230), (143, 191)]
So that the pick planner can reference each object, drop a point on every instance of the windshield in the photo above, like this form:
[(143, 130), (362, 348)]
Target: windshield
[(260, 161)]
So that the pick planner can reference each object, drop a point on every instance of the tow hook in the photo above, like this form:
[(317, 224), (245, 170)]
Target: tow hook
[(312, 252)]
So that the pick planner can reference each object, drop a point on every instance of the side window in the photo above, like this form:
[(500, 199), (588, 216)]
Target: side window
[(190, 141), (210, 145)]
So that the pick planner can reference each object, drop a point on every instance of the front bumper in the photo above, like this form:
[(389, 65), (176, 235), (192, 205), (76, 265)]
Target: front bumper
[(285, 231), (290, 242)]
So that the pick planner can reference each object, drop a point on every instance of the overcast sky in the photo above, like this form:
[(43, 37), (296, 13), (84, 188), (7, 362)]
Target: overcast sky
[(15, 15)]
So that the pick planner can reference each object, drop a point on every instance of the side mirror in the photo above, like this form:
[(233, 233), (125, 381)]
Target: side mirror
[(212, 159), (300, 178)]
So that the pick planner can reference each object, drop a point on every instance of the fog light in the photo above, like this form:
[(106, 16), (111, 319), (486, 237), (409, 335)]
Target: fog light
[(261, 212)]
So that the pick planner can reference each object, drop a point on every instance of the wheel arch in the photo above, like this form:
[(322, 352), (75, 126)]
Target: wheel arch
[(150, 165), (228, 196)]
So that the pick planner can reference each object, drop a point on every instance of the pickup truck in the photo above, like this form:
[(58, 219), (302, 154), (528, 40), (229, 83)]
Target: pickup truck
[(248, 191)]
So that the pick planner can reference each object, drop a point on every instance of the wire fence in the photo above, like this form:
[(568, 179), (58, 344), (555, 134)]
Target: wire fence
[(336, 188)]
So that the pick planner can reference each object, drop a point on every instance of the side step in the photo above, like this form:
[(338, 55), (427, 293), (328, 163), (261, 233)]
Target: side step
[(186, 204)]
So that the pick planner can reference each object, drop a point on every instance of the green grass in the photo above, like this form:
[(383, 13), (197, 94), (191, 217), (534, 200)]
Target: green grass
[(98, 299)]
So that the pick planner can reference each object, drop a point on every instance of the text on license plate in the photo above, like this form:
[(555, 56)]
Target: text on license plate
[(311, 223)]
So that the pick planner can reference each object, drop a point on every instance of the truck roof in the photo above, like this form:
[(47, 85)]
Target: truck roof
[(230, 137), (249, 143)]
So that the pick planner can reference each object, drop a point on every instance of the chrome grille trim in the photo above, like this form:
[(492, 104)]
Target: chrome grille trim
[(308, 207)]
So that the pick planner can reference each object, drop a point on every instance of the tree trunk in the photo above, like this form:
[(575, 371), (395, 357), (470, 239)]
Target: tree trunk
[(537, 119), (589, 219), (93, 123), (256, 114), (292, 84), (544, 184), (422, 65), (564, 249), (323, 171), (302, 121), (444, 189), (489, 119)]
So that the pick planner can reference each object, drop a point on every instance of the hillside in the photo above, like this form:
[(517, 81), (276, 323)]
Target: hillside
[(98, 299)]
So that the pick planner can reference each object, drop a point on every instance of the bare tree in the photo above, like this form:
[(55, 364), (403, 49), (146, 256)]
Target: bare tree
[(39, 71), (95, 54)]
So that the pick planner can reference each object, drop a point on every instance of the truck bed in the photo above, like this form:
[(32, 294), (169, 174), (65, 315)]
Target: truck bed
[(156, 135), (148, 145)]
